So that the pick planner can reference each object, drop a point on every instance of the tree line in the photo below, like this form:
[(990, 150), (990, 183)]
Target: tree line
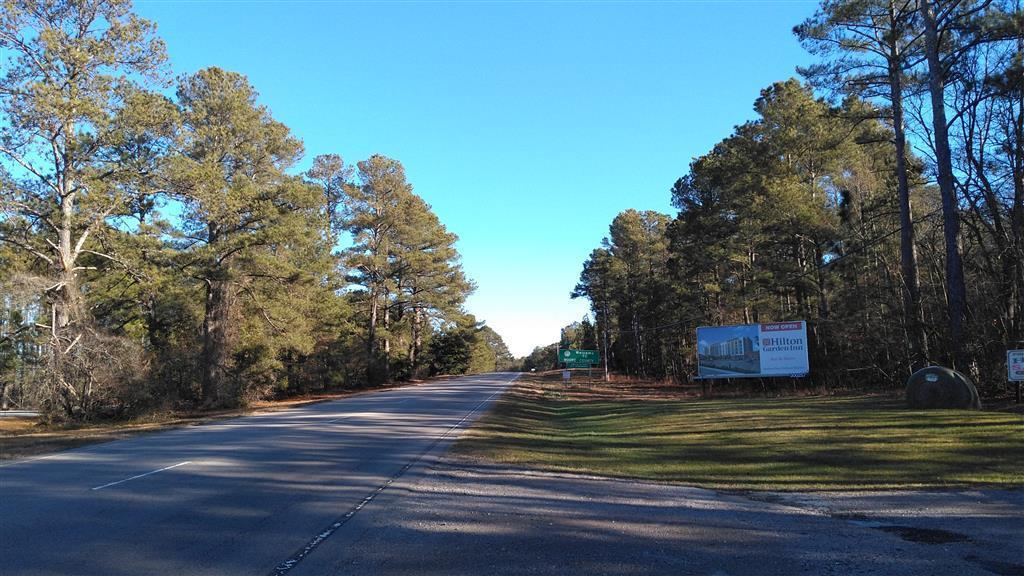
[(158, 246), (880, 198)]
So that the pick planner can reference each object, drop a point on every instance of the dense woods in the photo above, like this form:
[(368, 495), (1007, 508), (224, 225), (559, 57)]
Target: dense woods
[(162, 242), (880, 198), (159, 246)]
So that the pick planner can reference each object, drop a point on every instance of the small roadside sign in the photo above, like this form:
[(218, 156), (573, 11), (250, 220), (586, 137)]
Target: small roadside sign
[(566, 375), (1015, 365), (1015, 368)]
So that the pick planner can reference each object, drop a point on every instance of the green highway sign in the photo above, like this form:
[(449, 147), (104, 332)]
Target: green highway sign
[(579, 358)]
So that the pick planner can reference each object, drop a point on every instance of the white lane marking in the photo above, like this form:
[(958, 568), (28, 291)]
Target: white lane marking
[(286, 566), (140, 476)]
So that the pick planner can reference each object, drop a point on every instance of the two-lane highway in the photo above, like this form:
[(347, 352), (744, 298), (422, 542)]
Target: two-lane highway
[(252, 495)]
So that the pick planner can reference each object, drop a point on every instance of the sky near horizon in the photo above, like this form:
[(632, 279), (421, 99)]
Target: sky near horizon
[(527, 125)]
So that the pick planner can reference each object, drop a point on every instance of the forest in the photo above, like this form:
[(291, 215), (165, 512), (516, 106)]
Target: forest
[(879, 197), (159, 247)]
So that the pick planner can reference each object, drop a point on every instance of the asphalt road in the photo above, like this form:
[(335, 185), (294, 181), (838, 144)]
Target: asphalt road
[(251, 495), (471, 518), (359, 487)]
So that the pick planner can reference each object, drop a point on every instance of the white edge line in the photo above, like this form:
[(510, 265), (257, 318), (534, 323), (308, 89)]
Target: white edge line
[(140, 476)]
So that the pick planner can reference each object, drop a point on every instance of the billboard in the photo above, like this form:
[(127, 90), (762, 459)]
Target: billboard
[(752, 350)]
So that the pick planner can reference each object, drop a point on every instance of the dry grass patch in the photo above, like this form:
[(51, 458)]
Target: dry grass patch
[(799, 443)]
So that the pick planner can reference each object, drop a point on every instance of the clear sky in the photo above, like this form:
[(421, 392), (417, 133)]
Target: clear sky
[(527, 125)]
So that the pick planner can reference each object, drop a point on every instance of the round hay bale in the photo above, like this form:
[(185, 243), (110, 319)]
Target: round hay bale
[(940, 387)]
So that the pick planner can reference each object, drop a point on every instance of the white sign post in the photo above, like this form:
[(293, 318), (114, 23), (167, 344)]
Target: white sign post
[(1015, 368)]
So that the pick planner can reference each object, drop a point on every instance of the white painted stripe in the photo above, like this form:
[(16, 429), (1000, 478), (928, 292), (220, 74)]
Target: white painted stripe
[(286, 566), (141, 475)]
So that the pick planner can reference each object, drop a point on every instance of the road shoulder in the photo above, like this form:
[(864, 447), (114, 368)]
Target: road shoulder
[(466, 517)]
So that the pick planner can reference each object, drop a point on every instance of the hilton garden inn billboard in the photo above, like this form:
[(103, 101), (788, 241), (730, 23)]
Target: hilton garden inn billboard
[(752, 350)]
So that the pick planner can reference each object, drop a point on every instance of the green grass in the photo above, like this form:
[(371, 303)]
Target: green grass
[(802, 443)]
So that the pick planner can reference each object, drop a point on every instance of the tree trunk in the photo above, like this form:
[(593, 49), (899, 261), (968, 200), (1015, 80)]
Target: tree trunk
[(1014, 273), (950, 207), (65, 297), (217, 344), (604, 308), (801, 264), (824, 311), (638, 343), (386, 360), (417, 338), (913, 310), (65, 302), (371, 341)]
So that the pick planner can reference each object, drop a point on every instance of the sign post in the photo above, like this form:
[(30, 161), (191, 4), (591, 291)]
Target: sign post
[(1015, 368)]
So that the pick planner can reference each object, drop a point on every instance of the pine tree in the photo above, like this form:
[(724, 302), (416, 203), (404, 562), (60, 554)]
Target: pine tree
[(404, 259), (869, 47), (431, 285), (373, 211), (80, 138), (244, 219)]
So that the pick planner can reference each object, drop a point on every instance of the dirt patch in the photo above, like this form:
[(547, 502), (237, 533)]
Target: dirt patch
[(590, 385), (1003, 404), (584, 385), (11, 426)]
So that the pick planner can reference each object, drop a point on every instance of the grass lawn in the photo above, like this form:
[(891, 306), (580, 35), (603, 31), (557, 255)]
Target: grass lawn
[(798, 443)]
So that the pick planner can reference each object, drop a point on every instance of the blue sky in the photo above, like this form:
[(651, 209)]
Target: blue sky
[(526, 125)]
